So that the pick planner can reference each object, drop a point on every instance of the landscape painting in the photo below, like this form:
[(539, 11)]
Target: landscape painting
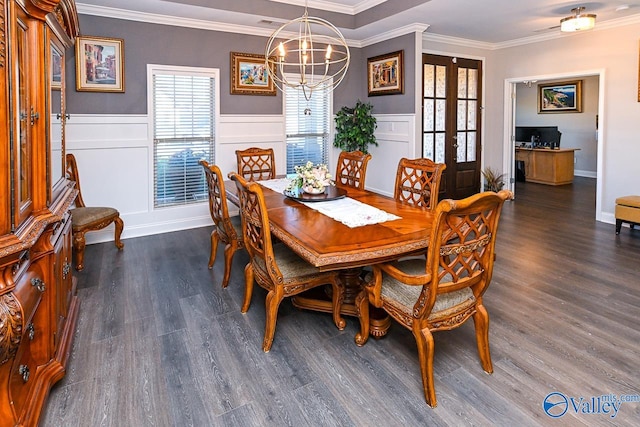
[(563, 97)]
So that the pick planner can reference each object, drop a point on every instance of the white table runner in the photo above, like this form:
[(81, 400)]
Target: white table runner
[(348, 211)]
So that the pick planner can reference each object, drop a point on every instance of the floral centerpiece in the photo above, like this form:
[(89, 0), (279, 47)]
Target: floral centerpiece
[(312, 179)]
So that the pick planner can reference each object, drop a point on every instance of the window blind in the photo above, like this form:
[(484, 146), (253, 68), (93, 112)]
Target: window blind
[(307, 127), (183, 133)]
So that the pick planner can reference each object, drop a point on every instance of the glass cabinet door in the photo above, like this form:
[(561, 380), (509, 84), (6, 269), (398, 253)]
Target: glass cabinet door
[(56, 118), (24, 117)]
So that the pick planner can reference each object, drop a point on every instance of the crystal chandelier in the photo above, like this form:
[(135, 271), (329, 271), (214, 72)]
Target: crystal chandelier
[(307, 53)]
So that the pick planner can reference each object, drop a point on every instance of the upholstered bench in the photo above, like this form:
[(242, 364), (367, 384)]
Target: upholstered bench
[(627, 210)]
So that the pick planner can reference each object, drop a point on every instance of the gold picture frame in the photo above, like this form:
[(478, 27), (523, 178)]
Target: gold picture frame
[(249, 75), (385, 74), (99, 64), (560, 97)]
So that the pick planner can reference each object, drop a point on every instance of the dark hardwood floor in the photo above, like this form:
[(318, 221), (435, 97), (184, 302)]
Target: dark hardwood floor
[(160, 343)]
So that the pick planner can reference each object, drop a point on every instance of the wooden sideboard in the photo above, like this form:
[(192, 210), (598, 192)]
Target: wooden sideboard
[(38, 302), (547, 166)]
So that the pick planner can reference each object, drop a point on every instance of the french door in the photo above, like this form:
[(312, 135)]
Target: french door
[(451, 121)]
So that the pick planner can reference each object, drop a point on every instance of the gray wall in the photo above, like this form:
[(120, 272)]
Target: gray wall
[(146, 43), (394, 104)]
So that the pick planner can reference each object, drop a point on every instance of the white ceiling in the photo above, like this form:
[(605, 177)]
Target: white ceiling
[(491, 22)]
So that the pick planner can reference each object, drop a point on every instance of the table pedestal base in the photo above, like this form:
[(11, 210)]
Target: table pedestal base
[(319, 299)]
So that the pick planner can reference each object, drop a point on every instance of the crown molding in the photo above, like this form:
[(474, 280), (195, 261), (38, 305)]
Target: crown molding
[(332, 6), (397, 32)]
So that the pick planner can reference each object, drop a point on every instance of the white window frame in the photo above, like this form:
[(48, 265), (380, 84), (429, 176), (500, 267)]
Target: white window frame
[(329, 115), (177, 70)]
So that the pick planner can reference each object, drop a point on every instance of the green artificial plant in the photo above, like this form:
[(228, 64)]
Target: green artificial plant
[(355, 128)]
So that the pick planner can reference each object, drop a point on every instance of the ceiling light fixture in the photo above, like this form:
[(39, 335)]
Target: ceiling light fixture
[(312, 49), (579, 21)]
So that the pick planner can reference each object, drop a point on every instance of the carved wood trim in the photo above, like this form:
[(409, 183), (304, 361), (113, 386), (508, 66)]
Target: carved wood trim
[(10, 326), (38, 225), (3, 35)]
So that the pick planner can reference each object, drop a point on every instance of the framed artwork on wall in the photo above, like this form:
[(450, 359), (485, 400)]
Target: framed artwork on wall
[(385, 74), (99, 64), (249, 75), (561, 97)]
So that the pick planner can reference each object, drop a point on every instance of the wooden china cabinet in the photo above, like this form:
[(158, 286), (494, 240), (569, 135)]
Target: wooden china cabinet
[(38, 302)]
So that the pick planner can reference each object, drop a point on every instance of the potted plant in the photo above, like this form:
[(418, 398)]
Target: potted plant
[(355, 127), (494, 180)]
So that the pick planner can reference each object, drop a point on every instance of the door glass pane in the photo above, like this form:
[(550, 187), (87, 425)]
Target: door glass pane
[(428, 115), (473, 84), (471, 115), (429, 80), (461, 150), (441, 81), (462, 82), (427, 147), (441, 105), (471, 146), (462, 115), (439, 148)]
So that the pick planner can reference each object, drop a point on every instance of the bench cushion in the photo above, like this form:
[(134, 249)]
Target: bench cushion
[(631, 201)]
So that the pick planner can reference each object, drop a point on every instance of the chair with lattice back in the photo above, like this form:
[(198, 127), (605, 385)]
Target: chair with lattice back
[(418, 182), (352, 169), (275, 267), (227, 229), (85, 219), (447, 289), (256, 164)]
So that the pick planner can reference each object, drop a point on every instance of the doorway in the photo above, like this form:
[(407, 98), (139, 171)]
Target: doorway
[(451, 121), (510, 94)]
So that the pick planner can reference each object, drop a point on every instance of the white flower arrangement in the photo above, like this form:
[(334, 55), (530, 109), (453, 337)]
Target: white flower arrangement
[(311, 178)]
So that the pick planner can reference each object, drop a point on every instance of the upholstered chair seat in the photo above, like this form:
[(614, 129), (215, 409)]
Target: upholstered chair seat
[(88, 216), (403, 297)]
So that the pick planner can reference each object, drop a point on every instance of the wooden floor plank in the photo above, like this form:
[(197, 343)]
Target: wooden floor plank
[(159, 342)]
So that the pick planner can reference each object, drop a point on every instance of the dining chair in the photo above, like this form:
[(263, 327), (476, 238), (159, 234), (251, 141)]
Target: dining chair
[(85, 219), (275, 267), (227, 229), (443, 292), (352, 169), (256, 164), (418, 182)]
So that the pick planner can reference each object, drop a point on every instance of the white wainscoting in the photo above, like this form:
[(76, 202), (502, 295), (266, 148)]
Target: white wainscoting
[(115, 157), (395, 135)]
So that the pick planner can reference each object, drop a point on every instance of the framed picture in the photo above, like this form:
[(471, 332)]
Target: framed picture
[(99, 64), (249, 75), (56, 69), (385, 74), (562, 97)]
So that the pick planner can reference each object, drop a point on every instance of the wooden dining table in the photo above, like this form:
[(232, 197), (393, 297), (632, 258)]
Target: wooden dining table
[(330, 245)]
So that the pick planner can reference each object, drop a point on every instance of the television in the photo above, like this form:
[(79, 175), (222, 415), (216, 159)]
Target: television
[(538, 136)]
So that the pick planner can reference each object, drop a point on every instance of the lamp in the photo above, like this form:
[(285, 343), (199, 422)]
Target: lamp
[(312, 49), (578, 22)]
